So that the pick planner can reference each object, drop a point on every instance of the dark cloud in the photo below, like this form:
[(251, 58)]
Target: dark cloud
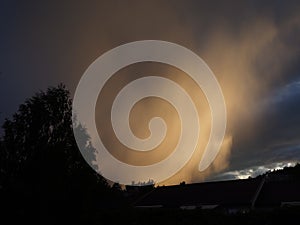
[(278, 138)]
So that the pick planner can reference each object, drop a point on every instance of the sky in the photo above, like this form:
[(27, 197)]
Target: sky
[(253, 48)]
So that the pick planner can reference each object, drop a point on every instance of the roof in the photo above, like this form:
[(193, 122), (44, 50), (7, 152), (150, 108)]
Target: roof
[(276, 192), (233, 192)]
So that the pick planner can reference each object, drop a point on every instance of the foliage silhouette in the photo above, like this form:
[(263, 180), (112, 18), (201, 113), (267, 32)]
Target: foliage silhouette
[(42, 172)]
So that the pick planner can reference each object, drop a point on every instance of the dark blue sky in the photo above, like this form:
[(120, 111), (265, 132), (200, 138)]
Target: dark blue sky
[(252, 46)]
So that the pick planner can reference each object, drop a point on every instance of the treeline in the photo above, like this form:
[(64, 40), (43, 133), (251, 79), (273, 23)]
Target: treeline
[(287, 173)]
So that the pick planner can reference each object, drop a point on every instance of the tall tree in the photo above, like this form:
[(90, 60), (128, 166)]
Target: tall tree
[(40, 160)]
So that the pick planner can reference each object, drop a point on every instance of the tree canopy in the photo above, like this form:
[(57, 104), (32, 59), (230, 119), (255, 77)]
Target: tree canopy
[(40, 164)]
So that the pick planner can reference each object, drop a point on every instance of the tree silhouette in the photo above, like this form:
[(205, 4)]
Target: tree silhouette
[(41, 169)]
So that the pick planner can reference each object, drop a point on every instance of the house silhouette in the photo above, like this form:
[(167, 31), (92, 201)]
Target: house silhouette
[(229, 196)]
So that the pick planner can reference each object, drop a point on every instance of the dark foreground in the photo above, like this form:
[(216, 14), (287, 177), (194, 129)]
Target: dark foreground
[(165, 216), (190, 217)]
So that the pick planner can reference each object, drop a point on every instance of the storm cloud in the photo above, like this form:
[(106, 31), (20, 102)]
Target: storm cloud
[(253, 48)]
